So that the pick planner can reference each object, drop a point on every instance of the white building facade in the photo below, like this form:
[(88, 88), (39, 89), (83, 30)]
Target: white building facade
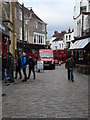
[(81, 18), (68, 39), (57, 44)]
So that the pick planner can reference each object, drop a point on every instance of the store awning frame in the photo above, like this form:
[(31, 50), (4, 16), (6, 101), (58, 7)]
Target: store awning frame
[(80, 44)]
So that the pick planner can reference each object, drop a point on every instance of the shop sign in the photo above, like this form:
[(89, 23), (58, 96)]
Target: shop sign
[(40, 65)]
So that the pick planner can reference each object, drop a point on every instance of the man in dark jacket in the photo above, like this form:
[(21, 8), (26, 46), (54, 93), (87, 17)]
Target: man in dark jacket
[(24, 61), (18, 66), (70, 64), (11, 66), (31, 67)]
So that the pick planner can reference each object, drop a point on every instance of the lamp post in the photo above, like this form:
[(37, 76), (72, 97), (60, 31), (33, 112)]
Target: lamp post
[(23, 26)]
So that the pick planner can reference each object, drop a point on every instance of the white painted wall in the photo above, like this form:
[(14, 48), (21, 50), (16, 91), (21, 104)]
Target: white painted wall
[(78, 17), (67, 39), (59, 45)]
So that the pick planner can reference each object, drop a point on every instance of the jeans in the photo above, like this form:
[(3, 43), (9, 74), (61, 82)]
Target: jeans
[(11, 75), (5, 75), (31, 69), (70, 74), (24, 72)]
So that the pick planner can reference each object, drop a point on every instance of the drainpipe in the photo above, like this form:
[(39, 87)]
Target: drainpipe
[(82, 24), (23, 26)]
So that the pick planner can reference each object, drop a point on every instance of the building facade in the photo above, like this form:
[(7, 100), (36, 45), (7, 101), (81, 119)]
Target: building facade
[(34, 30), (6, 27), (57, 41), (81, 18), (68, 38)]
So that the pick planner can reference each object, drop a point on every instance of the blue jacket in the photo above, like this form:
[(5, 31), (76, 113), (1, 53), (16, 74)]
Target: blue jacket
[(24, 60)]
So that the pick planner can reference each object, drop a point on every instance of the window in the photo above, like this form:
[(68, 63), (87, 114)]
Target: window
[(69, 37), (43, 39), (55, 47), (26, 22), (36, 24), (83, 9), (35, 38), (26, 36), (66, 37), (20, 33), (39, 39), (20, 15), (43, 28), (60, 45)]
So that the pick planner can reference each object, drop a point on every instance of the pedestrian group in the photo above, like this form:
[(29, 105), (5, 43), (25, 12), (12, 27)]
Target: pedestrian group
[(21, 64)]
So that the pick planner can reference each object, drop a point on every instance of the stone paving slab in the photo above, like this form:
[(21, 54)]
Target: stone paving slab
[(51, 95)]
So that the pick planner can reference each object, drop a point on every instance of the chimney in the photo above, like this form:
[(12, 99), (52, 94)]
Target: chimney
[(69, 30)]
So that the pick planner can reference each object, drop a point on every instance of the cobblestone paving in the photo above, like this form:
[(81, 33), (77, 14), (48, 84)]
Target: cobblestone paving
[(51, 95)]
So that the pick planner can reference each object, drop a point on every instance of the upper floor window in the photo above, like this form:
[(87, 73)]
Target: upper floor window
[(20, 15), (43, 27), (26, 35), (60, 45), (20, 33), (36, 24), (83, 9)]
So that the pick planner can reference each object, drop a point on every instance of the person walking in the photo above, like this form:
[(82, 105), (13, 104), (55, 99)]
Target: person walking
[(4, 69), (11, 66), (18, 66), (31, 67), (23, 63), (70, 64)]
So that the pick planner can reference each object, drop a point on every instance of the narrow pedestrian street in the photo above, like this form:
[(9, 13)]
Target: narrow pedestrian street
[(51, 95)]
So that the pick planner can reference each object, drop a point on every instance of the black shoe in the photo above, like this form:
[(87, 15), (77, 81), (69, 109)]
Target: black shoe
[(6, 84), (15, 77), (11, 81), (24, 80), (72, 80), (27, 77), (20, 78)]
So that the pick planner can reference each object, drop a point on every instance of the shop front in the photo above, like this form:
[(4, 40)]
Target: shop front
[(4, 39), (81, 54)]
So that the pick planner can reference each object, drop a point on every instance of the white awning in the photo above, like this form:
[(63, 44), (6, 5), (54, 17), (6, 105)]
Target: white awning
[(80, 44)]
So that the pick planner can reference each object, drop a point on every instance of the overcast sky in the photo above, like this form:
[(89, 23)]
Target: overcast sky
[(58, 14)]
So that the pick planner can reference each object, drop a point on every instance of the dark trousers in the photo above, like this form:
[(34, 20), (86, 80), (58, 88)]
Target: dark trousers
[(18, 70), (70, 74), (31, 69), (11, 75), (24, 72)]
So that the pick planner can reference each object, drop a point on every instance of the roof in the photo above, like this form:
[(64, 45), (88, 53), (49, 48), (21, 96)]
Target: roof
[(80, 44), (59, 36), (29, 12)]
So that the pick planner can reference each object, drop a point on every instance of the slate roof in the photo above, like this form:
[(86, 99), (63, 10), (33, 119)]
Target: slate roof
[(59, 36)]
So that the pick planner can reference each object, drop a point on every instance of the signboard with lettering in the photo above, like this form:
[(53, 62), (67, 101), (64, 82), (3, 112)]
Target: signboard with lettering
[(40, 65)]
